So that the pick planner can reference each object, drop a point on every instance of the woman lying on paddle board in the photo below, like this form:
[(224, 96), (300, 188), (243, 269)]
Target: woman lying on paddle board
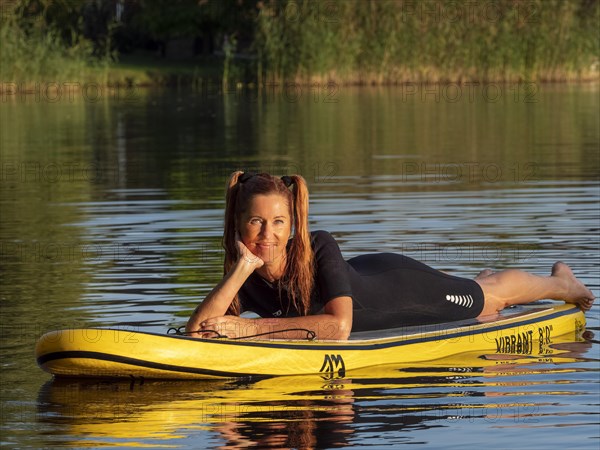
[(303, 282)]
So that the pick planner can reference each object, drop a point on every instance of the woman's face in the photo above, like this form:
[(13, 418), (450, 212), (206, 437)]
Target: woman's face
[(266, 226)]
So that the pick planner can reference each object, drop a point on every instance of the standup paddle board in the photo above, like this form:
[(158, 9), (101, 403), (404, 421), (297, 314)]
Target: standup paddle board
[(105, 352)]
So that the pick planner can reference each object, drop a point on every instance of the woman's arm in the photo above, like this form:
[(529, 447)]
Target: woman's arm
[(334, 323), (219, 299)]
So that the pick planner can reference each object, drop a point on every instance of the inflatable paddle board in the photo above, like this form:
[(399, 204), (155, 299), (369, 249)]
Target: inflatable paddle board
[(105, 352)]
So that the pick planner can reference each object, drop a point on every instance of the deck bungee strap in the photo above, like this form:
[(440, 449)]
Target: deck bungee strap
[(310, 335)]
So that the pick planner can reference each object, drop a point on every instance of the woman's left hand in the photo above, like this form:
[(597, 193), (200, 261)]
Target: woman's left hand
[(230, 326)]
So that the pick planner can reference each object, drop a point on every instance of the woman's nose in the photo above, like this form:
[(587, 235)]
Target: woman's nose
[(266, 230)]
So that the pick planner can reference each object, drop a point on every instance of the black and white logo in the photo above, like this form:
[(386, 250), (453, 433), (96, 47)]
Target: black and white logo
[(462, 300)]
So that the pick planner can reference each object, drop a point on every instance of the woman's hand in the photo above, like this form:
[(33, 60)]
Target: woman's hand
[(216, 303), (230, 326), (245, 255), (334, 323)]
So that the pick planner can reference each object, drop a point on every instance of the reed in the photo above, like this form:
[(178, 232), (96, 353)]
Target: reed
[(32, 55), (341, 41), (393, 41)]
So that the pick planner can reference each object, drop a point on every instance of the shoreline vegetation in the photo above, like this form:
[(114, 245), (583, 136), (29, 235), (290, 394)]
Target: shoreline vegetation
[(231, 44)]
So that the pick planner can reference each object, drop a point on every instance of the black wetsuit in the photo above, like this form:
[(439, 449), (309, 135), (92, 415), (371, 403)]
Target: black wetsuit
[(388, 290)]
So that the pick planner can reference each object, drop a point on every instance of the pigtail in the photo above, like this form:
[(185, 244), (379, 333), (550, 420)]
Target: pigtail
[(229, 230), (300, 263)]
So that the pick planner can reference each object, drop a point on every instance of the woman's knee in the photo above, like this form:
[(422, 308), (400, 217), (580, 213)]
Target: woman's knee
[(492, 302), (492, 305)]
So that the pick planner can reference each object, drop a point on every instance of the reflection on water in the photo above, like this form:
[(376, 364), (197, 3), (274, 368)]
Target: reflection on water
[(370, 406), (275, 413), (111, 214)]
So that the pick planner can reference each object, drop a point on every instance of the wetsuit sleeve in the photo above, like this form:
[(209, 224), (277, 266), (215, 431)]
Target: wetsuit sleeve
[(332, 272)]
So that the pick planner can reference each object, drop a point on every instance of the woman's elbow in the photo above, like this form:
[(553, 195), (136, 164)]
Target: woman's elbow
[(342, 329), (191, 327)]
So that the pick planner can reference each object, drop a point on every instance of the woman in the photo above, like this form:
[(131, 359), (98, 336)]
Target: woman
[(303, 283)]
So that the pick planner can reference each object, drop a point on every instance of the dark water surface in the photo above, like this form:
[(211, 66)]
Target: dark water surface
[(111, 215)]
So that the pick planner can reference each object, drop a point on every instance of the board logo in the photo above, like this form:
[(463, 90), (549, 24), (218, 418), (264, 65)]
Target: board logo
[(333, 364), (519, 343)]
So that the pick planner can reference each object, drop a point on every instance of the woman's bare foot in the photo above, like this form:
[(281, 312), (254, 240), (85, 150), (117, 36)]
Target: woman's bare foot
[(575, 290), (484, 273)]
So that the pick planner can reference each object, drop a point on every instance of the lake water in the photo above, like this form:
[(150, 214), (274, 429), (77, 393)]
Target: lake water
[(111, 215)]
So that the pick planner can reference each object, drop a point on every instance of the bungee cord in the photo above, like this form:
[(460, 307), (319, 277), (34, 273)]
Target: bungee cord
[(310, 335)]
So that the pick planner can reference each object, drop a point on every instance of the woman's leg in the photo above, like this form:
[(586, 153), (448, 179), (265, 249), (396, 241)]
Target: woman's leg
[(513, 287)]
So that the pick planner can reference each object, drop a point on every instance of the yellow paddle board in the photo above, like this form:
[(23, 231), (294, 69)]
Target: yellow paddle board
[(104, 352)]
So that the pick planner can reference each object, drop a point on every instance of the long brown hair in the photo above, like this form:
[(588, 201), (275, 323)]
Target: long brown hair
[(299, 267)]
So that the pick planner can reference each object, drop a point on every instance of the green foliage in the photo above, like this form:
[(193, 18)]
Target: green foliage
[(43, 41), (388, 40), (348, 41)]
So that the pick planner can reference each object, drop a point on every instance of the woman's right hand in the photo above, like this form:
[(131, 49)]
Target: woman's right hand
[(216, 303), (245, 255)]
